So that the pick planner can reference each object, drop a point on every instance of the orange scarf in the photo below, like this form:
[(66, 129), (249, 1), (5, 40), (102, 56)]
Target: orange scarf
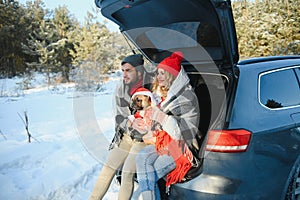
[(180, 153)]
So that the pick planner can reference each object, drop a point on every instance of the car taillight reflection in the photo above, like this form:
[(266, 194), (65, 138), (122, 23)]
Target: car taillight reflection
[(228, 141)]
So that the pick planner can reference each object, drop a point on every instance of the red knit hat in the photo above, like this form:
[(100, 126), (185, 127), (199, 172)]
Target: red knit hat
[(172, 64), (146, 92)]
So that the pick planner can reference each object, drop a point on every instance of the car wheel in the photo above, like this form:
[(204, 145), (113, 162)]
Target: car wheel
[(293, 190)]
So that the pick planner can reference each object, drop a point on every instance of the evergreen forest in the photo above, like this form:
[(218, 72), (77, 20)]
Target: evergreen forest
[(36, 39)]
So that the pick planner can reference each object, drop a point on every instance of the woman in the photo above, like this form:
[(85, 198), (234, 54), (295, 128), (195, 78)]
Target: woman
[(176, 118)]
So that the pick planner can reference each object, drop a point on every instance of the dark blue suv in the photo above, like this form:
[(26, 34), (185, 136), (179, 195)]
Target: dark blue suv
[(249, 110)]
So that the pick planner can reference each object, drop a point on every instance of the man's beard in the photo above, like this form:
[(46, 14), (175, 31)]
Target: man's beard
[(132, 83)]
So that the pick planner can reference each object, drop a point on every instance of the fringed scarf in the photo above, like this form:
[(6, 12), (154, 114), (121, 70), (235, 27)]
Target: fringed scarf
[(183, 157)]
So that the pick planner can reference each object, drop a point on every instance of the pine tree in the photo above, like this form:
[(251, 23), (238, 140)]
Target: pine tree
[(63, 46), (91, 53), (12, 33), (34, 18), (267, 27), (43, 44), (96, 51)]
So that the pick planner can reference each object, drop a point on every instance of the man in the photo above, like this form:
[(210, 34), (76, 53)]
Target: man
[(124, 146)]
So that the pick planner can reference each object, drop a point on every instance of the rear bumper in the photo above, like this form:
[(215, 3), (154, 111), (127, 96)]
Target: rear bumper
[(207, 187)]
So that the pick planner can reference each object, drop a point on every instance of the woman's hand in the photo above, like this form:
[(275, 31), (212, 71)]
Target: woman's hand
[(149, 139), (154, 113), (139, 125)]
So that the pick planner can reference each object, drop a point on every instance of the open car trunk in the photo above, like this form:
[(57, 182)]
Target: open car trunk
[(202, 29)]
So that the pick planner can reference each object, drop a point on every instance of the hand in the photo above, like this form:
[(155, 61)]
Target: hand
[(154, 113), (148, 113), (139, 125), (149, 139)]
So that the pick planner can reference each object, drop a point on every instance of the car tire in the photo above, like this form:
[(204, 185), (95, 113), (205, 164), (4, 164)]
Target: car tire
[(293, 190)]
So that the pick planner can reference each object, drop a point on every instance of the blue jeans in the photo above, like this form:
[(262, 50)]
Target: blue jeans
[(150, 167)]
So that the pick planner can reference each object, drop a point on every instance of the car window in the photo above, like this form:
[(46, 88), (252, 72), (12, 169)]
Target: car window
[(279, 89), (198, 41), (198, 33)]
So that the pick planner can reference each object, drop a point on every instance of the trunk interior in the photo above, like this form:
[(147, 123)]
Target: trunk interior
[(211, 88)]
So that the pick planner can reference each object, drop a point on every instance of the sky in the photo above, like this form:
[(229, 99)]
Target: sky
[(77, 8), (71, 134)]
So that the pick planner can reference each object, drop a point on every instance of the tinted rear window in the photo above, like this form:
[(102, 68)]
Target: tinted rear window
[(280, 88), (203, 34)]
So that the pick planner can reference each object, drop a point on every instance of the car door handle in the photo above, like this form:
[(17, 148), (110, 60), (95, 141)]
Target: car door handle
[(296, 131), (296, 118)]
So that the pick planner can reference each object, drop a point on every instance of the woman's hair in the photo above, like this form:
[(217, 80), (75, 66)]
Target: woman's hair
[(162, 91)]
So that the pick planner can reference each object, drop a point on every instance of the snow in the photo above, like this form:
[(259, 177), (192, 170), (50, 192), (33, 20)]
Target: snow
[(70, 132)]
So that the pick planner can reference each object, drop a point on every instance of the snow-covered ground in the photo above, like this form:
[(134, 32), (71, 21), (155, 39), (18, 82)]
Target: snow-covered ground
[(71, 133)]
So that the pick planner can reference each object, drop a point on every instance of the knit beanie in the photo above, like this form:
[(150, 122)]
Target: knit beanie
[(135, 60), (172, 64), (146, 92)]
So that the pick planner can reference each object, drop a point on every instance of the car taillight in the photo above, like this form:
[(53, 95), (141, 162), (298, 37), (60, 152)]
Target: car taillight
[(228, 140)]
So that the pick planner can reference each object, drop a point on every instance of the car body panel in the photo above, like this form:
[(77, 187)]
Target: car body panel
[(246, 116), (263, 170), (259, 173)]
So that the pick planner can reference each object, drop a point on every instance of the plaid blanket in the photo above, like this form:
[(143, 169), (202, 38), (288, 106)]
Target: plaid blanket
[(178, 132), (182, 108)]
